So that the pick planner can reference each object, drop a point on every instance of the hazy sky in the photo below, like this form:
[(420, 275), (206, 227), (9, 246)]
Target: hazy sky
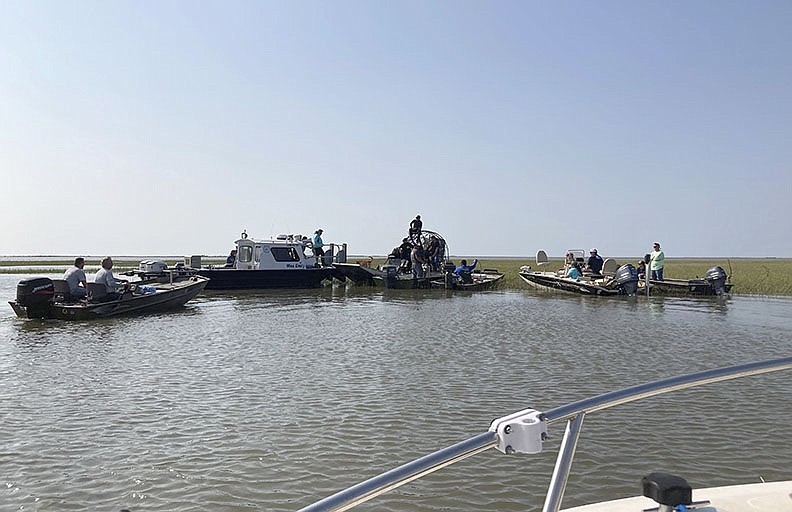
[(153, 127)]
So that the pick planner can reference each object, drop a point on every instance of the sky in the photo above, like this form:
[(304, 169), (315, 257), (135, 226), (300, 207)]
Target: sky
[(167, 127)]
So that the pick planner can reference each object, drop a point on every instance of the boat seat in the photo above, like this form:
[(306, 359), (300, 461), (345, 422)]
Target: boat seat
[(541, 258), (61, 288), (609, 267), (97, 291)]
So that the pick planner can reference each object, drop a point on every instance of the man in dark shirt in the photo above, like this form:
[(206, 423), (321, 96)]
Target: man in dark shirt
[(416, 225), (594, 264)]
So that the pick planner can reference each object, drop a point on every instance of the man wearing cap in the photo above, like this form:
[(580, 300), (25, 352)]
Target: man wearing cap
[(594, 263), (317, 244), (658, 262)]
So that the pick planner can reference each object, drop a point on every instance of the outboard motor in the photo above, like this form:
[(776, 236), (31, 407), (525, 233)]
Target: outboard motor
[(716, 277), (36, 295), (450, 277), (390, 275), (627, 279)]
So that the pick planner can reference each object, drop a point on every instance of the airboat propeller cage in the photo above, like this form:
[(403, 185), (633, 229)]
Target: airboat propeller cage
[(521, 432)]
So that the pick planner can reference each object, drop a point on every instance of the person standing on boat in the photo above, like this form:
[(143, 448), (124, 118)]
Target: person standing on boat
[(418, 259), (231, 260), (317, 244), (433, 253), (415, 229), (405, 251), (594, 264), (658, 262), (105, 276), (75, 276)]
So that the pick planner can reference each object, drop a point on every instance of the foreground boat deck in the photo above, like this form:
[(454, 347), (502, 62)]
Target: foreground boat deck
[(764, 497)]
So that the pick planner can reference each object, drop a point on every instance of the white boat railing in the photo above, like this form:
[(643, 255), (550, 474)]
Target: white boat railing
[(572, 413)]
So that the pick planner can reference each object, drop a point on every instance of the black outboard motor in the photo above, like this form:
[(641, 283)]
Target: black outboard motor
[(450, 277), (627, 279), (390, 275), (716, 277), (36, 295)]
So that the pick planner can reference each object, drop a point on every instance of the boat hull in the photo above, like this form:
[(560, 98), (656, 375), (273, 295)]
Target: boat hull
[(167, 296), (549, 281), (481, 281), (233, 279), (682, 287), (360, 274)]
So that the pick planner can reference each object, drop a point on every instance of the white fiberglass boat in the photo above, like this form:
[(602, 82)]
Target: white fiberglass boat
[(525, 432)]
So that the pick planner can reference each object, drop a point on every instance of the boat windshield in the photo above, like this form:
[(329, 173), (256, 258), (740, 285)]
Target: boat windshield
[(245, 254)]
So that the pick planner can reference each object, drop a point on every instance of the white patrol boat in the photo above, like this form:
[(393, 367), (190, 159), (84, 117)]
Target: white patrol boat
[(286, 261)]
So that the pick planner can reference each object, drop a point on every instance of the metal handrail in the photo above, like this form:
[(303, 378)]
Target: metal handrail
[(573, 413)]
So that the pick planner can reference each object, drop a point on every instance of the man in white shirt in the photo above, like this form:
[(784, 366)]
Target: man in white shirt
[(75, 276), (105, 276)]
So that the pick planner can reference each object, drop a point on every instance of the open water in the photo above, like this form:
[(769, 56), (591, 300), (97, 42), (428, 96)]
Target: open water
[(272, 400)]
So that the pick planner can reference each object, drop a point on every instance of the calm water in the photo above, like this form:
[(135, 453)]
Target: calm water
[(270, 401)]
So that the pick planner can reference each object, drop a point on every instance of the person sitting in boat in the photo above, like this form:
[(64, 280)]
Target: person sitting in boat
[(569, 261), (416, 225), (317, 244), (594, 264), (574, 271), (641, 270), (463, 271), (105, 276), (231, 260), (74, 277)]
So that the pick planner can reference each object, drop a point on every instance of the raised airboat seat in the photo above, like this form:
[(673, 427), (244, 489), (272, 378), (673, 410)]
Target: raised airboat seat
[(609, 267)]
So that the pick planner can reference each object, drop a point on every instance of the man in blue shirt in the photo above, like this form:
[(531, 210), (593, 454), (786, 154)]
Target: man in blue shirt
[(594, 264), (464, 270), (465, 267)]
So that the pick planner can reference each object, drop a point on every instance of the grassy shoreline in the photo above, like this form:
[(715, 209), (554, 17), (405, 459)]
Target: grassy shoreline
[(750, 276)]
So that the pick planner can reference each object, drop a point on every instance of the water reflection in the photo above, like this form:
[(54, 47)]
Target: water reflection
[(272, 399)]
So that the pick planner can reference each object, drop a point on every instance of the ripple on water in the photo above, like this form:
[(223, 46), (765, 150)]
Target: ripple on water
[(268, 401)]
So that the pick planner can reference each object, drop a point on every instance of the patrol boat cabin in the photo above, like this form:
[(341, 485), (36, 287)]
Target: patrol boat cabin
[(287, 261)]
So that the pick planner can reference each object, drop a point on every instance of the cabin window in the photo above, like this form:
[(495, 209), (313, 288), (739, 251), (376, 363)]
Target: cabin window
[(245, 254), (257, 254), (285, 254)]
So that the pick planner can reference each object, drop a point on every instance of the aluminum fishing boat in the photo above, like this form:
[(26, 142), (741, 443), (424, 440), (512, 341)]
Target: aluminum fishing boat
[(42, 297), (614, 279), (525, 432), (470, 282)]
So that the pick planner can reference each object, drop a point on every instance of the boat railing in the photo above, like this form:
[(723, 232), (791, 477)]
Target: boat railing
[(524, 431)]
